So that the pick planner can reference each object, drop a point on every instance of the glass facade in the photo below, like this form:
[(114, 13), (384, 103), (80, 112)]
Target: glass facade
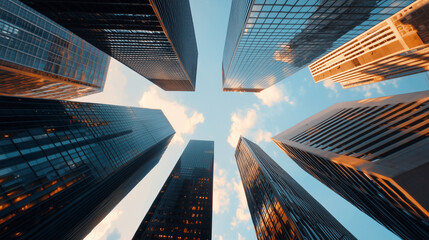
[(373, 153), (153, 37), (279, 206), (183, 207), (396, 47), (269, 40), (65, 165), (39, 58)]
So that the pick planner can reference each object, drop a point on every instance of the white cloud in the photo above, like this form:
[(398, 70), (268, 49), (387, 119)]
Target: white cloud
[(220, 192), (105, 226), (330, 85), (263, 136), (242, 213), (368, 89), (114, 88), (289, 101), (273, 95), (240, 237), (241, 124), (181, 118), (220, 237)]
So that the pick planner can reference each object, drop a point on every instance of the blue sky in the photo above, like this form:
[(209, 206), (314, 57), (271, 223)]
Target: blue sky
[(211, 114)]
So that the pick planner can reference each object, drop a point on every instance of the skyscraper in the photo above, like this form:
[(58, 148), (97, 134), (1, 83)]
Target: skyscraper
[(41, 59), (155, 38), (65, 165), (396, 47), (279, 206), (183, 207), (374, 153), (268, 41)]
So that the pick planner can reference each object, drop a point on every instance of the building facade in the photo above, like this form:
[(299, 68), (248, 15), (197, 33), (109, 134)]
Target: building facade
[(373, 153), (41, 59), (183, 207), (65, 165), (268, 41), (279, 206), (155, 38), (396, 47)]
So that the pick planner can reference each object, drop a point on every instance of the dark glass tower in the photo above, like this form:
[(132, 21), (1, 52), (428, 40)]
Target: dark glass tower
[(268, 41), (374, 153), (183, 207), (280, 207), (39, 58), (153, 37), (65, 165)]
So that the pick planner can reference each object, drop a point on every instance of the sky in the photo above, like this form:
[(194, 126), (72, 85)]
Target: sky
[(210, 114)]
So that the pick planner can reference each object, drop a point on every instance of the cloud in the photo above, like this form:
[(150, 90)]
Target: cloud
[(115, 235), (239, 237), (262, 135), (219, 237), (331, 85), (273, 95), (181, 118), (241, 124), (105, 226), (368, 89), (220, 192), (242, 213), (114, 88)]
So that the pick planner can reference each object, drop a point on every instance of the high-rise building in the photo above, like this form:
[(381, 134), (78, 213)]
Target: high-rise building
[(41, 59), (268, 41), (374, 153), (279, 206), (155, 38), (183, 207), (396, 47), (65, 165)]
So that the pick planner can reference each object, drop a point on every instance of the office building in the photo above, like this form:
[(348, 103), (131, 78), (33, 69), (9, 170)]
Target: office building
[(65, 165), (41, 59), (373, 153), (155, 38), (268, 41), (396, 47), (183, 207), (279, 206)]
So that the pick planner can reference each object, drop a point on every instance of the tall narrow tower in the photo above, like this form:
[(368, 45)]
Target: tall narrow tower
[(41, 59), (374, 153), (183, 207), (280, 207), (155, 38), (268, 41), (65, 165)]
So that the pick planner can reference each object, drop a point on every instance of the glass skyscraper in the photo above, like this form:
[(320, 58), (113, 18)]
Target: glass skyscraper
[(269, 40), (155, 38), (183, 207), (279, 206), (41, 59), (374, 153), (396, 47), (65, 165)]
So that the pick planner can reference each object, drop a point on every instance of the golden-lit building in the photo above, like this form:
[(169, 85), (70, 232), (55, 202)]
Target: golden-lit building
[(279, 206), (41, 59), (373, 153), (396, 47), (183, 207)]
